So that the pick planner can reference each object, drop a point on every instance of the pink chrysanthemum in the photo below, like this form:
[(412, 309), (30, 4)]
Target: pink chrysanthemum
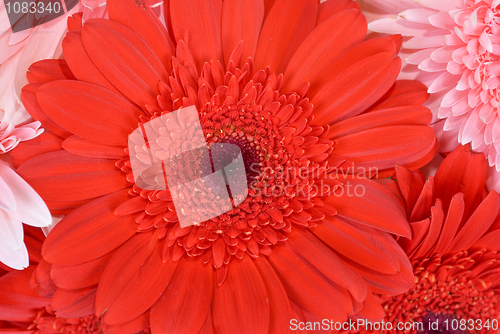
[(456, 46)]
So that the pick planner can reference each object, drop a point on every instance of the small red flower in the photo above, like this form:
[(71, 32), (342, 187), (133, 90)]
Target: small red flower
[(454, 250), (297, 89)]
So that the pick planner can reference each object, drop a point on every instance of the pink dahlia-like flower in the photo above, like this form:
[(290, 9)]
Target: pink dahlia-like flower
[(19, 203), (455, 47)]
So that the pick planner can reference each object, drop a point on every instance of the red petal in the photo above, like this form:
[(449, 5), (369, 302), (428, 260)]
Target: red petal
[(378, 207), (422, 207), (285, 28), (407, 115), (168, 19), (28, 97), (279, 305), (124, 59), (197, 22), (419, 231), (134, 326), (93, 229), (132, 205), (241, 20), (141, 20), (65, 207), (186, 303), (75, 22), (360, 244), (354, 87), (451, 224), (489, 241), (410, 184), (61, 176), (44, 143), (42, 281), (81, 65), (15, 290), (386, 147), (33, 238), (18, 301), (89, 111), (49, 70), (143, 279), (74, 303), (327, 9), (372, 310), (241, 304), (436, 224), (403, 93), (387, 284), (478, 223), (208, 326), (337, 34), (268, 4), (454, 175), (310, 290), (72, 277), (356, 54), (311, 249), (79, 146)]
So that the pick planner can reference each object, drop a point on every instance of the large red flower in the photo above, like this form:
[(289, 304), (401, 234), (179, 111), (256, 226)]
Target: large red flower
[(454, 251), (315, 251)]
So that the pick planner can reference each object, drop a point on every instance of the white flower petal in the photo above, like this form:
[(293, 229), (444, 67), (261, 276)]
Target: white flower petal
[(16, 259), (30, 208), (11, 232), (7, 200)]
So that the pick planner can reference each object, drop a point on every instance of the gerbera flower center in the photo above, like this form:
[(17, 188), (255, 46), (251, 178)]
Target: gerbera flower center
[(281, 153), (456, 288), (47, 322)]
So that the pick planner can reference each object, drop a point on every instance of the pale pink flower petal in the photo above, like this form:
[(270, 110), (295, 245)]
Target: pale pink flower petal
[(19, 204), (14, 258), (7, 200), (11, 135), (454, 45), (30, 208), (11, 233)]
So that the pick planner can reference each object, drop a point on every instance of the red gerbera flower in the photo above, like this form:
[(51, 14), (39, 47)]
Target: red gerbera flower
[(307, 253), (454, 250)]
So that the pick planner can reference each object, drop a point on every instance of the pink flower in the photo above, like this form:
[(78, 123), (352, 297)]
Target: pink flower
[(19, 203), (454, 48)]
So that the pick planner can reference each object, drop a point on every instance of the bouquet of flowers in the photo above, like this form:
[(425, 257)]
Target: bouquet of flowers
[(249, 166)]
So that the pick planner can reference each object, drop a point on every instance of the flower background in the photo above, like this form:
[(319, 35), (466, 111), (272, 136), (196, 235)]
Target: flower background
[(296, 85)]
